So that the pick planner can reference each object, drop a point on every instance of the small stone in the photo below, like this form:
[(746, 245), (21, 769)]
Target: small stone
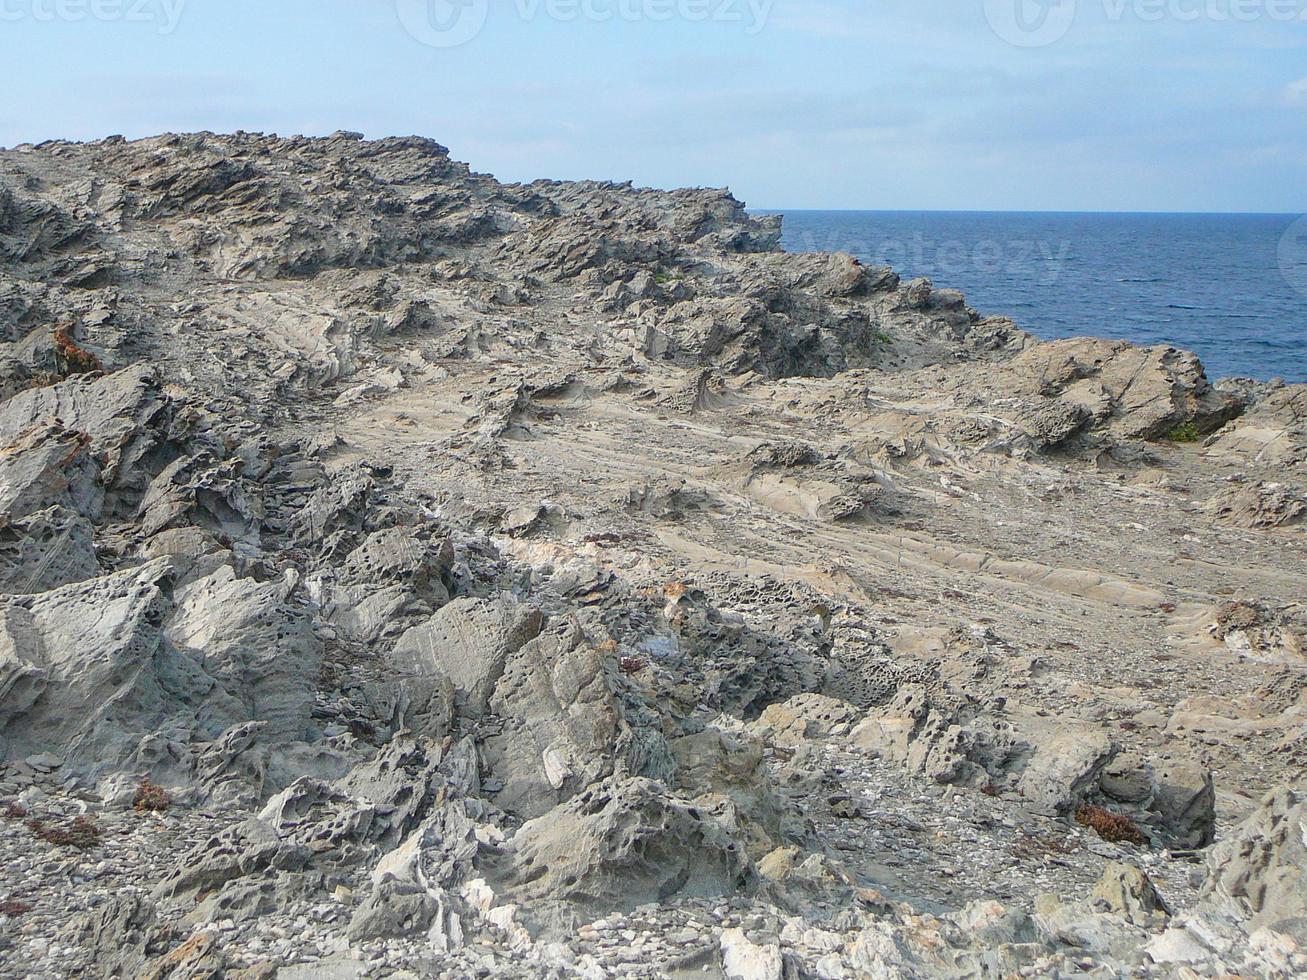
[(745, 960)]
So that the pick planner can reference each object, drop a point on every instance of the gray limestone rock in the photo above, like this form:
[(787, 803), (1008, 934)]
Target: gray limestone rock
[(1128, 892), (716, 768), (1137, 392), (469, 641), (415, 558), (1066, 768), (1128, 778), (619, 844), (247, 848), (406, 778), (94, 667), (1184, 803), (561, 721), (414, 886), (928, 735), (464, 557), (124, 934), (201, 491), (1259, 505), (113, 411), (86, 669), (1259, 873), (47, 465), (46, 549), (258, 647)]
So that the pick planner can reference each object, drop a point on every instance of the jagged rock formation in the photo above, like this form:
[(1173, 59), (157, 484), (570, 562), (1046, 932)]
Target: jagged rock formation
[(559, 579)]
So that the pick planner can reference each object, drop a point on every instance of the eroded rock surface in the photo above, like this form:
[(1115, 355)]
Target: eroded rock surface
[(405, 573)]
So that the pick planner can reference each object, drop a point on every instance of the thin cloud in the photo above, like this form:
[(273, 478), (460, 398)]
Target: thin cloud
[(1294, 94)]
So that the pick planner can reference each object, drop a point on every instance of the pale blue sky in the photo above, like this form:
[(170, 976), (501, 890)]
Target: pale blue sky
[(852, 104)]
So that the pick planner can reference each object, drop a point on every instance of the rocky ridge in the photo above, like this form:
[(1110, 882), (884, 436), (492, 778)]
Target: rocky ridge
[(406, 573)]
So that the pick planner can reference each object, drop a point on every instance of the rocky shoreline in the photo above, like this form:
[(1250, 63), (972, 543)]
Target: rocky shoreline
[(409, 574)]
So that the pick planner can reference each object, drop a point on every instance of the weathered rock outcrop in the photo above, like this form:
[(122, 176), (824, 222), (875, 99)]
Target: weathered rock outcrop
[(1259, 874), (404, 571), (94, 668), (469, 641), (618, 845)]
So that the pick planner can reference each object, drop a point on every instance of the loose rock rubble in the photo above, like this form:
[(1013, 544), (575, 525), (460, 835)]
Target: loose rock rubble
[(407, 574)]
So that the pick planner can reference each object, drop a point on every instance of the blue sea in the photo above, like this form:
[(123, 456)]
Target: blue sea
[(1230, 287)]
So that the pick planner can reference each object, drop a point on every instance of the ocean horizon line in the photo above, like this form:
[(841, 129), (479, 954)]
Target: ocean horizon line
[(981, 211)]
